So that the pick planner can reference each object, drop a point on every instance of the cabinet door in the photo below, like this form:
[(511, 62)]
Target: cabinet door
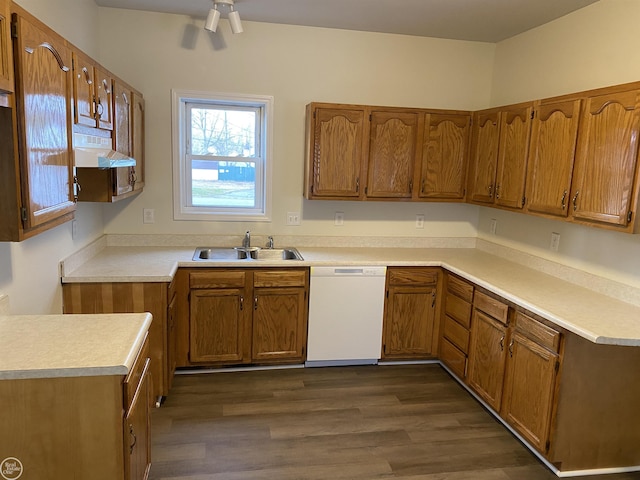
[(409, 321), (279, 324), (6, 62), (137, 139), (172, 311), (444, 156), (104, 99), (392, 154), (605, 166), (553, 145), (84, 84), (122, 117), (137, 438), (487, 357), (485, 156), (528, 390), (45, 80), (336, 152), (515, 129), (220, 326)]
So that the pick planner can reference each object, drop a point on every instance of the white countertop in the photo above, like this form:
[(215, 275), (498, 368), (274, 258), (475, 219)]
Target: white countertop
[(46, 346), (591, 315)]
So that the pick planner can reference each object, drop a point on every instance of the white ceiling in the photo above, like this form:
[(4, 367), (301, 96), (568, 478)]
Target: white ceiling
[(477, 20)]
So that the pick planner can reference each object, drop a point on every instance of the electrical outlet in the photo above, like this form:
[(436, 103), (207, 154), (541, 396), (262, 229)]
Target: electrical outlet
[(494, 226), (555, 241), (148, 215), (420, 221), (74, 228), (338, 220), (293, 218)]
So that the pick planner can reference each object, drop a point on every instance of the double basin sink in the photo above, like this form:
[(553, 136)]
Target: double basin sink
[(226, 254)]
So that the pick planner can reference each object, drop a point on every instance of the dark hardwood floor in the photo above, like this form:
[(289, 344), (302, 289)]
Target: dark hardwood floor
[(402, 421)]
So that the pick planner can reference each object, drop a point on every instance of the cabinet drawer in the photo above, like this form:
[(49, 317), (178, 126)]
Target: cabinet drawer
[(491, 306), (453, 358), (412, 276), (132, 380), (458, 309), (456, 334), (539, 333), (217, 279), (460, 288), (280, 278)]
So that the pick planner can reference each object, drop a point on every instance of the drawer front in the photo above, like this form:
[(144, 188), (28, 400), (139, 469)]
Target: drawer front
[(132, 380), (456, 334), (491, 306), (458, 309), (217, 279), (453, 358), (539, 333), (280, 278), (460, 288), (412, 276)]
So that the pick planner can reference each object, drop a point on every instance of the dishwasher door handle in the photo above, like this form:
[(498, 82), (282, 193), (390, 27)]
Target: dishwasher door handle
[(348, 271)]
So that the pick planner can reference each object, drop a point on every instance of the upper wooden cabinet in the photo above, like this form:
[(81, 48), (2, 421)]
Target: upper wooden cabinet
[(393, 141), (605, 175), (500, 151), (137, 138), (553, 145), (336, 156), (6, 61), (445, 150), (93, 93)]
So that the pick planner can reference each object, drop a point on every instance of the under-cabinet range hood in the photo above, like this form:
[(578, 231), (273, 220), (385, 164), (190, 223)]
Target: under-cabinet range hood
[(95, 152)]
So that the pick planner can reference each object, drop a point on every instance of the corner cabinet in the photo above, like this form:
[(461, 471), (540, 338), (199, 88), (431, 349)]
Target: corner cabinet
[(40, 178), (410, 330), (6, 59)]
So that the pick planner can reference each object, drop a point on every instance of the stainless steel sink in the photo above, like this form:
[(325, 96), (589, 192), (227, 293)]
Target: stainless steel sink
[(226, 254)]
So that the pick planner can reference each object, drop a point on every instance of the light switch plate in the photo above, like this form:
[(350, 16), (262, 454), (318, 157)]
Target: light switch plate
[(293, 218), (148, 215)]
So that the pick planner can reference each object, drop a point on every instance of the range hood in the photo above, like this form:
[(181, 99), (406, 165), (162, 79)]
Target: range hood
[(91, 151)]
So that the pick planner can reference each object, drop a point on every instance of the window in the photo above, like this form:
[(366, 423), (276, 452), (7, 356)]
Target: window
[(221, 156)]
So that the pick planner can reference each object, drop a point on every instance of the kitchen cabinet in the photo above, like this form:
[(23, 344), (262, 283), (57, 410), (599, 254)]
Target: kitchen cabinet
[(445, 152), (6, 58), (393, 144), (530, 379), (409, 327), (138, 139), (336, 155), (93, 93), (487, 354), (132, 297), (605, 185), (501, 143), (553, 146), (248, 316), (37, 183), (456, 323)]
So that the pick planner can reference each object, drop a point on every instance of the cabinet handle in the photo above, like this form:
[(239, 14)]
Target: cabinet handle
[(422, 186), (241, 303), (255, 303), (498, 191), (135, 439), (502, 343), (433, 296), (511, 348), (575, 201), (491, 191), (358, 185), (99, 109), (564, 200)]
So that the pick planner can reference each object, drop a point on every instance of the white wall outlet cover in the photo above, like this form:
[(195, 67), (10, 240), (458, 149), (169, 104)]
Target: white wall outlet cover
[(419, 221), (148, 215), (555, 241), (339, 219), (493, 226)]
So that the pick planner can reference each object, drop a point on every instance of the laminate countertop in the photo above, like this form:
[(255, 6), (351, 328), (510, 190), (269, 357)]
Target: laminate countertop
[(47, 346), (594, 316)]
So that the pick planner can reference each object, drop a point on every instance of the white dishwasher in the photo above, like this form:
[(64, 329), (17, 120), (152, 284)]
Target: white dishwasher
[(346, 305)]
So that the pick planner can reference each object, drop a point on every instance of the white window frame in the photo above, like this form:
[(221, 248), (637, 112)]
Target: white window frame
[(182, 210)]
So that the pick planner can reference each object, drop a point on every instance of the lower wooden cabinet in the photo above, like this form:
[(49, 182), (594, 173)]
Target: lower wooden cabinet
[(410, 329), (455, 324), (247, 316)]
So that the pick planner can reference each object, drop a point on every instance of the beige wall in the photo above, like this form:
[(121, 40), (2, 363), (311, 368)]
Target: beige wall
[(593, 47), (29, 269), (296, 65)]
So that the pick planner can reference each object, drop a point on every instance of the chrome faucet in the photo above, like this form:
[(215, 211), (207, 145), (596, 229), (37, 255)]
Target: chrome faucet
[(246, 241), (269, 241)]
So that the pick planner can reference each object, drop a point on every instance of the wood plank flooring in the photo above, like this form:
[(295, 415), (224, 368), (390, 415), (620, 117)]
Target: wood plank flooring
[(338, 423)]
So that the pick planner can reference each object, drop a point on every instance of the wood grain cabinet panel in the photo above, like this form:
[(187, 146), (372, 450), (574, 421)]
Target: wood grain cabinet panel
[(455, 324), (486, 139), (6, 58), (550, 168), (445, 150), (137, 139), (606, 159), (93, 93), (336, 137)]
